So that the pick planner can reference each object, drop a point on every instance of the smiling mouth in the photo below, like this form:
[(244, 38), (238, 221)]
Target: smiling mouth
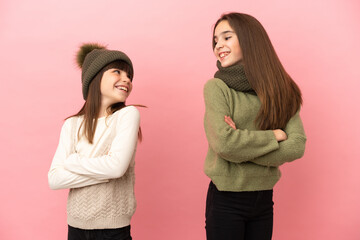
[(122, 88), (222, 55)]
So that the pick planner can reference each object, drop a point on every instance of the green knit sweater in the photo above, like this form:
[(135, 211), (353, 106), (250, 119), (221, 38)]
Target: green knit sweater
[(245, 159)]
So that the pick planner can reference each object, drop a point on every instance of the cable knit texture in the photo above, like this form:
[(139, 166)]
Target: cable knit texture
[(106, 205), (97, 199)]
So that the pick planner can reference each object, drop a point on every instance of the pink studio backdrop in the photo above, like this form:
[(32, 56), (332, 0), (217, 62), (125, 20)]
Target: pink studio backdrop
[(170, 44)]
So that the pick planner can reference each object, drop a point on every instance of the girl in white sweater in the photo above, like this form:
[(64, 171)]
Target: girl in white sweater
[(96, 151)]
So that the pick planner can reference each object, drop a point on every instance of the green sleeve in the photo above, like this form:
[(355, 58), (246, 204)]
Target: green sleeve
[(290, 149), (232, 145)]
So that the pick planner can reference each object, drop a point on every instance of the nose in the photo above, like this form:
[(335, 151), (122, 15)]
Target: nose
[(124, 77), (219, 45)]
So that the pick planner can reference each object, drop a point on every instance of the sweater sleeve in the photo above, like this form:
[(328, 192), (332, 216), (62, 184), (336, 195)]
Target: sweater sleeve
[(238, 145), (290, 149), (58, 176), (116, 162)]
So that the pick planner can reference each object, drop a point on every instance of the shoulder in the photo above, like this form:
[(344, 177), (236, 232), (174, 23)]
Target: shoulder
[(70, 122), (215, 86), (216, 92), (128, 113), (215, 83)]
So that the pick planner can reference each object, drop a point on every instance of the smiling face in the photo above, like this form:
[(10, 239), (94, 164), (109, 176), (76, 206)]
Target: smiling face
[(115, 87), (227, 47)]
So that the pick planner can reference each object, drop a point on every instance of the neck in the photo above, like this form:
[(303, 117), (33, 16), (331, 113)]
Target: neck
[(103, 110)]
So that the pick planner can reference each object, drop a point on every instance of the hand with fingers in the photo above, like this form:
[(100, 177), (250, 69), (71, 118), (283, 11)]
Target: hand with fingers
[(280, 135), (230, 122)]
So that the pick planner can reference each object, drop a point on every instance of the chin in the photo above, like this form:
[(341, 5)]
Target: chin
[(224, 65)]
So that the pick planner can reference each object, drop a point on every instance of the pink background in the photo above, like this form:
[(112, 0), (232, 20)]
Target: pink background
[(170, 44)]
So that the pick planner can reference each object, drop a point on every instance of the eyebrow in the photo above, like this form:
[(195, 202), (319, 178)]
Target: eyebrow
[(224, 32)]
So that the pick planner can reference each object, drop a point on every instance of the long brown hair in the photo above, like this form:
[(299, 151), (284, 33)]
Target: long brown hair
[(90, 109), (279, 95)]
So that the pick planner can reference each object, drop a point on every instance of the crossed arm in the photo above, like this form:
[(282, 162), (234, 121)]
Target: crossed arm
[(71, 170), (291, 145), (263, 147)]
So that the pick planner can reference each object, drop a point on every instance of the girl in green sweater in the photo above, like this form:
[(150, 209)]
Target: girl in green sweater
[(252, 125)]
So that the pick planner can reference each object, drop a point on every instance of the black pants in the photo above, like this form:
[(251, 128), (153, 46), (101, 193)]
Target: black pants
[(238, 215), (99, 234)]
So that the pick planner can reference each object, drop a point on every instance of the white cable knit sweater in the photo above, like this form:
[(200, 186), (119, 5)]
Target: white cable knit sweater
[(100, 175)]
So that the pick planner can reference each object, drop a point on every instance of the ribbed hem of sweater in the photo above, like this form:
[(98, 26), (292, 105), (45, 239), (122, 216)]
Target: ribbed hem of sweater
[(249, 184), (100, 223)]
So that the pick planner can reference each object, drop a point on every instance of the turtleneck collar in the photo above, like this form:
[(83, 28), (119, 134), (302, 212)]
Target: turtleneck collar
[(234, 77)]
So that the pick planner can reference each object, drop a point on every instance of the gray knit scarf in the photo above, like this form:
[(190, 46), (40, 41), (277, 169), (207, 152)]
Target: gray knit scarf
[(234, 77)]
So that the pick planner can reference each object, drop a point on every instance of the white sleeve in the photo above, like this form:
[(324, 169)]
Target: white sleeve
[(58, 176), (122, 150)]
